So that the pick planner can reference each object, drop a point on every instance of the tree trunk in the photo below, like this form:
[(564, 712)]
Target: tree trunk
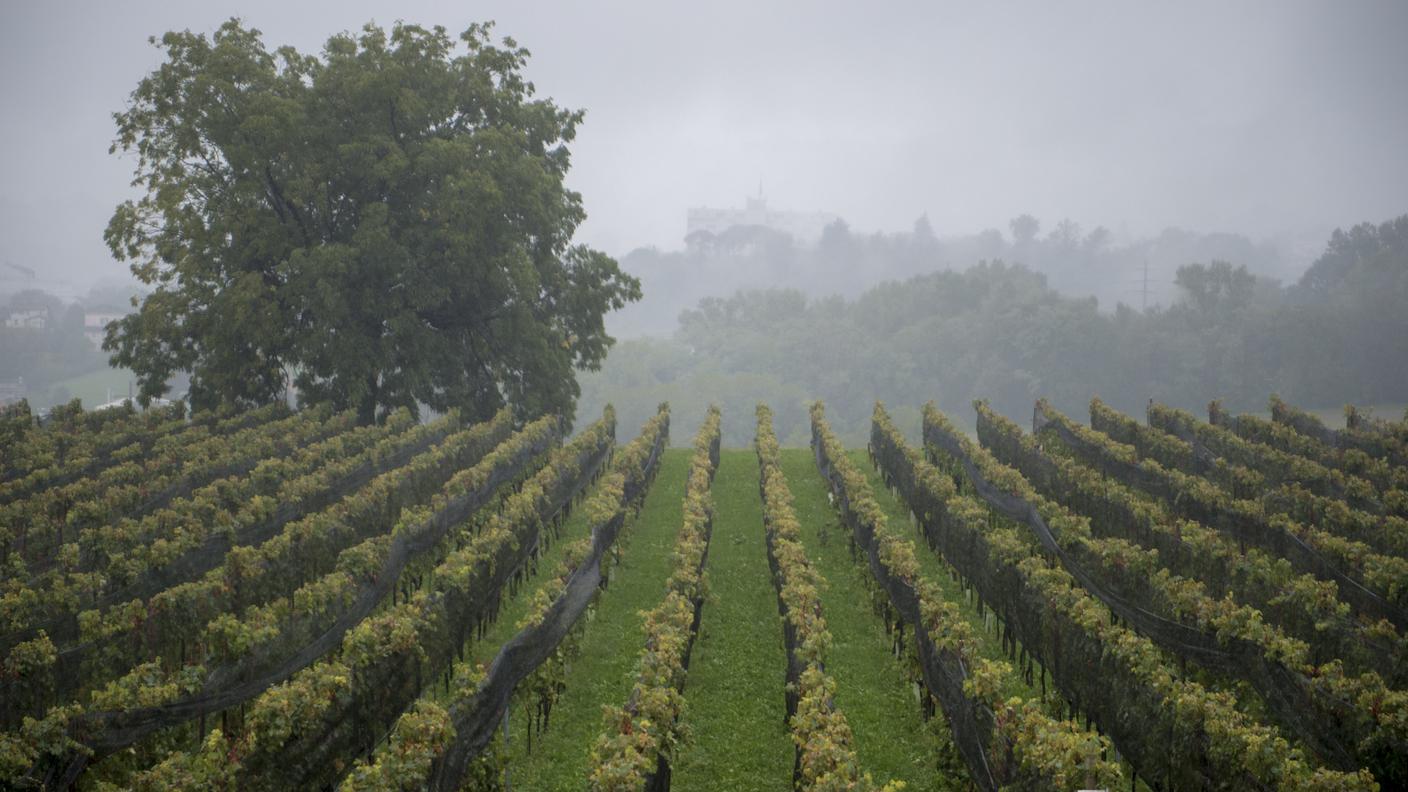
[(366, 411)]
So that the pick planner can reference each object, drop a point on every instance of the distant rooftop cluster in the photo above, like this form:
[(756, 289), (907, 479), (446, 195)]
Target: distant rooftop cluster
[(804, 227)]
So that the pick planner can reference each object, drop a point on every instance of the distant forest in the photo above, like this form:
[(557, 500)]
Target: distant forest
[(1001, 332), (1076, 261)]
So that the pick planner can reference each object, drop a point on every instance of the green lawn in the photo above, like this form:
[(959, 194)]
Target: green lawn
[(604, 670), (95, 386), (734, 705), (891, 739)]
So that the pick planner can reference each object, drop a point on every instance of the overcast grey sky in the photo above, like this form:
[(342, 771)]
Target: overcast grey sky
[(1260, 117)]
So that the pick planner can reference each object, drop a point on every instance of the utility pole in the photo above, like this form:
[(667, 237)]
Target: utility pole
[(1144, 301)]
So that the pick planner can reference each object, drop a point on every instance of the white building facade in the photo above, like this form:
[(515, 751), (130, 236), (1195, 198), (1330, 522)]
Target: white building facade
[(95, 325), (804, 227)]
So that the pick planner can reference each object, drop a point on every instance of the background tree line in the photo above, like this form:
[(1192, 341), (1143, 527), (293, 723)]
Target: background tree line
[(1076, 262), (1000, 331)]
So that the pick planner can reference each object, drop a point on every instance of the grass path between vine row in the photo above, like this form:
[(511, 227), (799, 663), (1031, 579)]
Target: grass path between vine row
[(604, 670), (892, 741), (734, 697), (734, 690)]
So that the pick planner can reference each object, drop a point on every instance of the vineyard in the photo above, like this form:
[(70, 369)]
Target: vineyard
[(282, 599)]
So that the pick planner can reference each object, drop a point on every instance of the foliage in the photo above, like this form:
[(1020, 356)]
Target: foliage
[(1047, 753), (417, 741), (1000, 331), (1128, 681), (387, 221), (825, 754), (1254, 521), (289, 618), (649, 728), (1148, 578)]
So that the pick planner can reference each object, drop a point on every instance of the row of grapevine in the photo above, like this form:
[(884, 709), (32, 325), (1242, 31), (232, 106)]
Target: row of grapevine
[(1006, 741), (1285, 438), (70, 440), (1371, 583), (825, 755), (1385, 441), (1287, 483), (37, 527), (1118, 678), (1274, 466), (344, 469), (272, 600), (441, 740), (1305, 607), (241, 656), (1348, 721), (75, 443), (640, 739), (120, 561), (352, 699), (195, 621), (1356, 419)]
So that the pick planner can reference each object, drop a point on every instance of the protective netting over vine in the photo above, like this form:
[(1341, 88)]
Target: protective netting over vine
[(297, 646), (449, 618), (476, 718), (1287, 693), (1112, 684), (69, 671), (1248, 528), (944, 671)]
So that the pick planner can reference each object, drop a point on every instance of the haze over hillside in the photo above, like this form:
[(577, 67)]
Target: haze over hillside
[(956, 396), (1267, 119)]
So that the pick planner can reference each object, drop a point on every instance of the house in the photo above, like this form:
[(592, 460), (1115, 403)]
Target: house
[(11, 392), (804, 227), (95, 325), (36, 319)]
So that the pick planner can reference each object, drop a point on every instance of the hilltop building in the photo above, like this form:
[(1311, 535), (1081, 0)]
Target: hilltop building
[(95, 324), (36, 319), (804, 227)]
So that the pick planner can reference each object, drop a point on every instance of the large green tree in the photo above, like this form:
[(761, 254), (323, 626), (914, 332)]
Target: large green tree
[(385, 222)]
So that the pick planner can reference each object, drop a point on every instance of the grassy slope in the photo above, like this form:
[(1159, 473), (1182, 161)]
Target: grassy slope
[(736, 672), (96, 386), (891, 739), (734, 692), (604, 670)]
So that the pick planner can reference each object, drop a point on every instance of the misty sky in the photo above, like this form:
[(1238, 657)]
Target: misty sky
[(1266, 118)]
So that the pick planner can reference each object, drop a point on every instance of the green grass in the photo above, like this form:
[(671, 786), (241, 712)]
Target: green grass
[(891, 739), (734, 704), (734, 691), (93, 388), (604, 670)]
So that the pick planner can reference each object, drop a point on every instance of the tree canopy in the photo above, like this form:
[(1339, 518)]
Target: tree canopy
[(386, 223), (1000, 332)]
